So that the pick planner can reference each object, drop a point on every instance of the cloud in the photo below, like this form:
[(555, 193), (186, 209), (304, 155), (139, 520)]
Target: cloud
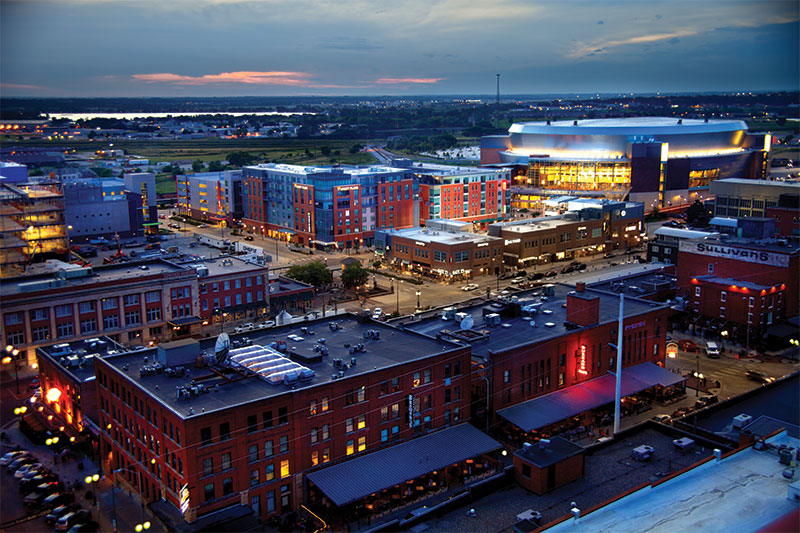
[(299, 79), (22, 86), (349, 43), (593, 49), (391, 81)]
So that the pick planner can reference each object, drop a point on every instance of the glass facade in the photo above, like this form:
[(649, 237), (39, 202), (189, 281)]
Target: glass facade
[(579, 175)]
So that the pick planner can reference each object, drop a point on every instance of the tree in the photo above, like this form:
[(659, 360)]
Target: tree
[(240, 159), (215, 166), (102, 172), (356, 148), (325, 150), (354, 275), (314, 273), (166, 169), (696, 213), (198, 166)]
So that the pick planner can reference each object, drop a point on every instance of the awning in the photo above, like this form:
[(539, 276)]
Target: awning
[(556, 406), (184, 321), (354, 479)]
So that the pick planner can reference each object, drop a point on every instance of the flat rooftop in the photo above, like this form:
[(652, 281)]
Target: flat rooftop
[(442, 237), (451, 170), (77, 358), (609, 471), (793, 184), (742, 492), (517, 331), (537, 224), (225, 265), (307, 170), (394, 349), (791, 246), (284, 284), (100, 274), (637, 285)]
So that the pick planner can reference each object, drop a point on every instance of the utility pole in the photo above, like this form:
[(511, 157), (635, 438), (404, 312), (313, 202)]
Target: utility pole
[(618, 391), (498, 89)]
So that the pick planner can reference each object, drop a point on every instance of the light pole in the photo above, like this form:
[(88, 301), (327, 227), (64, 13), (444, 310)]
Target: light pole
[(19, 411), (697, 375), (12, 358), (419, 293), (51, 442), (93, 480)]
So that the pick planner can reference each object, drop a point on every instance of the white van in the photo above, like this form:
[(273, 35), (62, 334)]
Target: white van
[(712, 350)]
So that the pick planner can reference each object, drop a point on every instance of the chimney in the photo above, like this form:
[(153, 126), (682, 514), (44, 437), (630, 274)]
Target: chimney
[(580, 286), (583, 309)]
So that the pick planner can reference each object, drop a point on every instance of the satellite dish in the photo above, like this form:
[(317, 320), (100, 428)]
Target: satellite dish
[(467, 323), (221, 348)]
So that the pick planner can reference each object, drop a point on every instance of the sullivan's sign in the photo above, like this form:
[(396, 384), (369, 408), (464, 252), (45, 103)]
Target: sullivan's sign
[(733, 252)]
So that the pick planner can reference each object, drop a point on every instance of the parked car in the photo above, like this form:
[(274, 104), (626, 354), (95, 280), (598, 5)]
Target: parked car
[(609, 255), (551, 274), (534, 276), (33, 472), (712, 350), (248, 237), (758, 376), (174, 225), (681, 412), (203, 226), (35, 498), (70, 519), (241, 328), (91, 525), (518, 280), (27, 485), (567, 269), (11, 456), (60, 511), (14, 465), (265, 324), (58, 498), (705, 401), (663, 418), (470, 287)]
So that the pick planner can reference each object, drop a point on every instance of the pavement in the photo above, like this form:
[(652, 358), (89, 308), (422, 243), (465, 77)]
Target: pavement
[(129, 512)]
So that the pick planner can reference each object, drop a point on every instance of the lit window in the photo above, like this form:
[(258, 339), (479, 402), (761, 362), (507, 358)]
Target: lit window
[(284, 468)]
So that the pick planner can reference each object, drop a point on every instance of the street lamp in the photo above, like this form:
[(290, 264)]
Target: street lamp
[(12, 358), (142, 527), (419, 293), (93, 480), (51, 442)]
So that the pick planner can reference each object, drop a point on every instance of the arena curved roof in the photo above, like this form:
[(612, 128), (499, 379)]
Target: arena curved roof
[(629, 126)]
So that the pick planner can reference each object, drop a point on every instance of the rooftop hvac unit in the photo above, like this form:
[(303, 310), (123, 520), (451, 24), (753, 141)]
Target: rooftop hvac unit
[(742, 420)]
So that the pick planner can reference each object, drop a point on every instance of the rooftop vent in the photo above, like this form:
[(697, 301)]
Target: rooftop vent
[(269, 364)]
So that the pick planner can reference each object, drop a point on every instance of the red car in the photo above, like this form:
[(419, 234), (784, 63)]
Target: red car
[(687, 345)]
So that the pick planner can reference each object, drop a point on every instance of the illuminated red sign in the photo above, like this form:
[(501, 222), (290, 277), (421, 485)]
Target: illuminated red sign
[(582, 361)]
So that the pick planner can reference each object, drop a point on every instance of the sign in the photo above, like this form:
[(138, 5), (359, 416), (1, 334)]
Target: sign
[(634, 326), (736, 253), (184, 498), (582, 361), (410, 410), (511, 241), (672, 350), (480, 244)]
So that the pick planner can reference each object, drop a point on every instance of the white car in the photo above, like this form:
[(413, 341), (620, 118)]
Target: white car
[(296, 338), (10, 456), (241, 328), (470, 287), (267, 324), (24, 469), (377, 313)]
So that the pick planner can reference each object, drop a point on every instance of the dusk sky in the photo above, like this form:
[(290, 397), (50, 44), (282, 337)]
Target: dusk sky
[(306, 47)]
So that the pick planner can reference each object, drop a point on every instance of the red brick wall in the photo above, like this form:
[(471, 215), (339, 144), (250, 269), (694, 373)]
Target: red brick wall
[(565, 471)]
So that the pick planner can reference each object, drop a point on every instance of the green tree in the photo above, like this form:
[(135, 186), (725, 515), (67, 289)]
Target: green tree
[(198, 166), (314, 273), (102, 172), (166, 169), (325, 150), (697, 214), (354, 275), (240, 159), (215, 166), (356, 148)]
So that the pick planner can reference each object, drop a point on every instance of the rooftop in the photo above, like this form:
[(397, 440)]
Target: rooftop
[(548, 320), (637, 285), (629, 126), (450, 170), (442, 237), (742, 492), (225, 265), (537, 224), (556, 450), (77, 358), (305, 170), (125, 272), (394, 348), (793, 184), (736, 282), (788, 246), (284, 284), (680, 233)]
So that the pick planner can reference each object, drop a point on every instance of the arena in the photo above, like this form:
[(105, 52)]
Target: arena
[(659, 161)]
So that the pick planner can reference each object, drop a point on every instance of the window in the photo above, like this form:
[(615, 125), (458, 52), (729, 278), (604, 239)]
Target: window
[(267, 419), (350, 447), (63, 310), (253, 452), (722, 312), (108, 303), (416, 382), (255, 477), (208, 466), (362, 443), (225, 431), (348, 425), (324, 404), (152, 296), (526, 471), (110, 322), (384, 414), (697, 291), (226, 461), (131, 299), (227, 486), (268, 451), (326, 455), (325, 432), (41, 333), (208, 491), (133, 318), (283, 415), (86, 307), (751, 302), (284, 444), (314, 435), (506, 376), (64, 330), (154, 314), (314, 457), (711, 268), (361, 394), (384, 435), (270, 501), (426, 376), (88, 326), (252, 423), (284, 468), (312, 408), (270, 473)]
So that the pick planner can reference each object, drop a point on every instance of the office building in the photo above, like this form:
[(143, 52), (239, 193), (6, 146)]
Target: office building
[(743, 198), (255, 430), (112, 207), (328, 207), (786, 215), (32, 226), (587, 227), (444, 255), (658, 161), (214, 197)]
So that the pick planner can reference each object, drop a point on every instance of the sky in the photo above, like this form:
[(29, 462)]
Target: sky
[(121, 48)]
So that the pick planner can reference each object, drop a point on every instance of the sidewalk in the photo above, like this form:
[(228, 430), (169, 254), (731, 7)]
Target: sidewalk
[(71, 473)]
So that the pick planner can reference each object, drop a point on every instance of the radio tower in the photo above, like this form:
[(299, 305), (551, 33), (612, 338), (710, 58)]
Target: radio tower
[(498, 89)]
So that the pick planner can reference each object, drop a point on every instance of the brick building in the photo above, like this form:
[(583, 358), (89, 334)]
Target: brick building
[(233, 438), (588, 227), (231, 289), (767, 263), (442, 254), (548, 464), (786, 215)]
